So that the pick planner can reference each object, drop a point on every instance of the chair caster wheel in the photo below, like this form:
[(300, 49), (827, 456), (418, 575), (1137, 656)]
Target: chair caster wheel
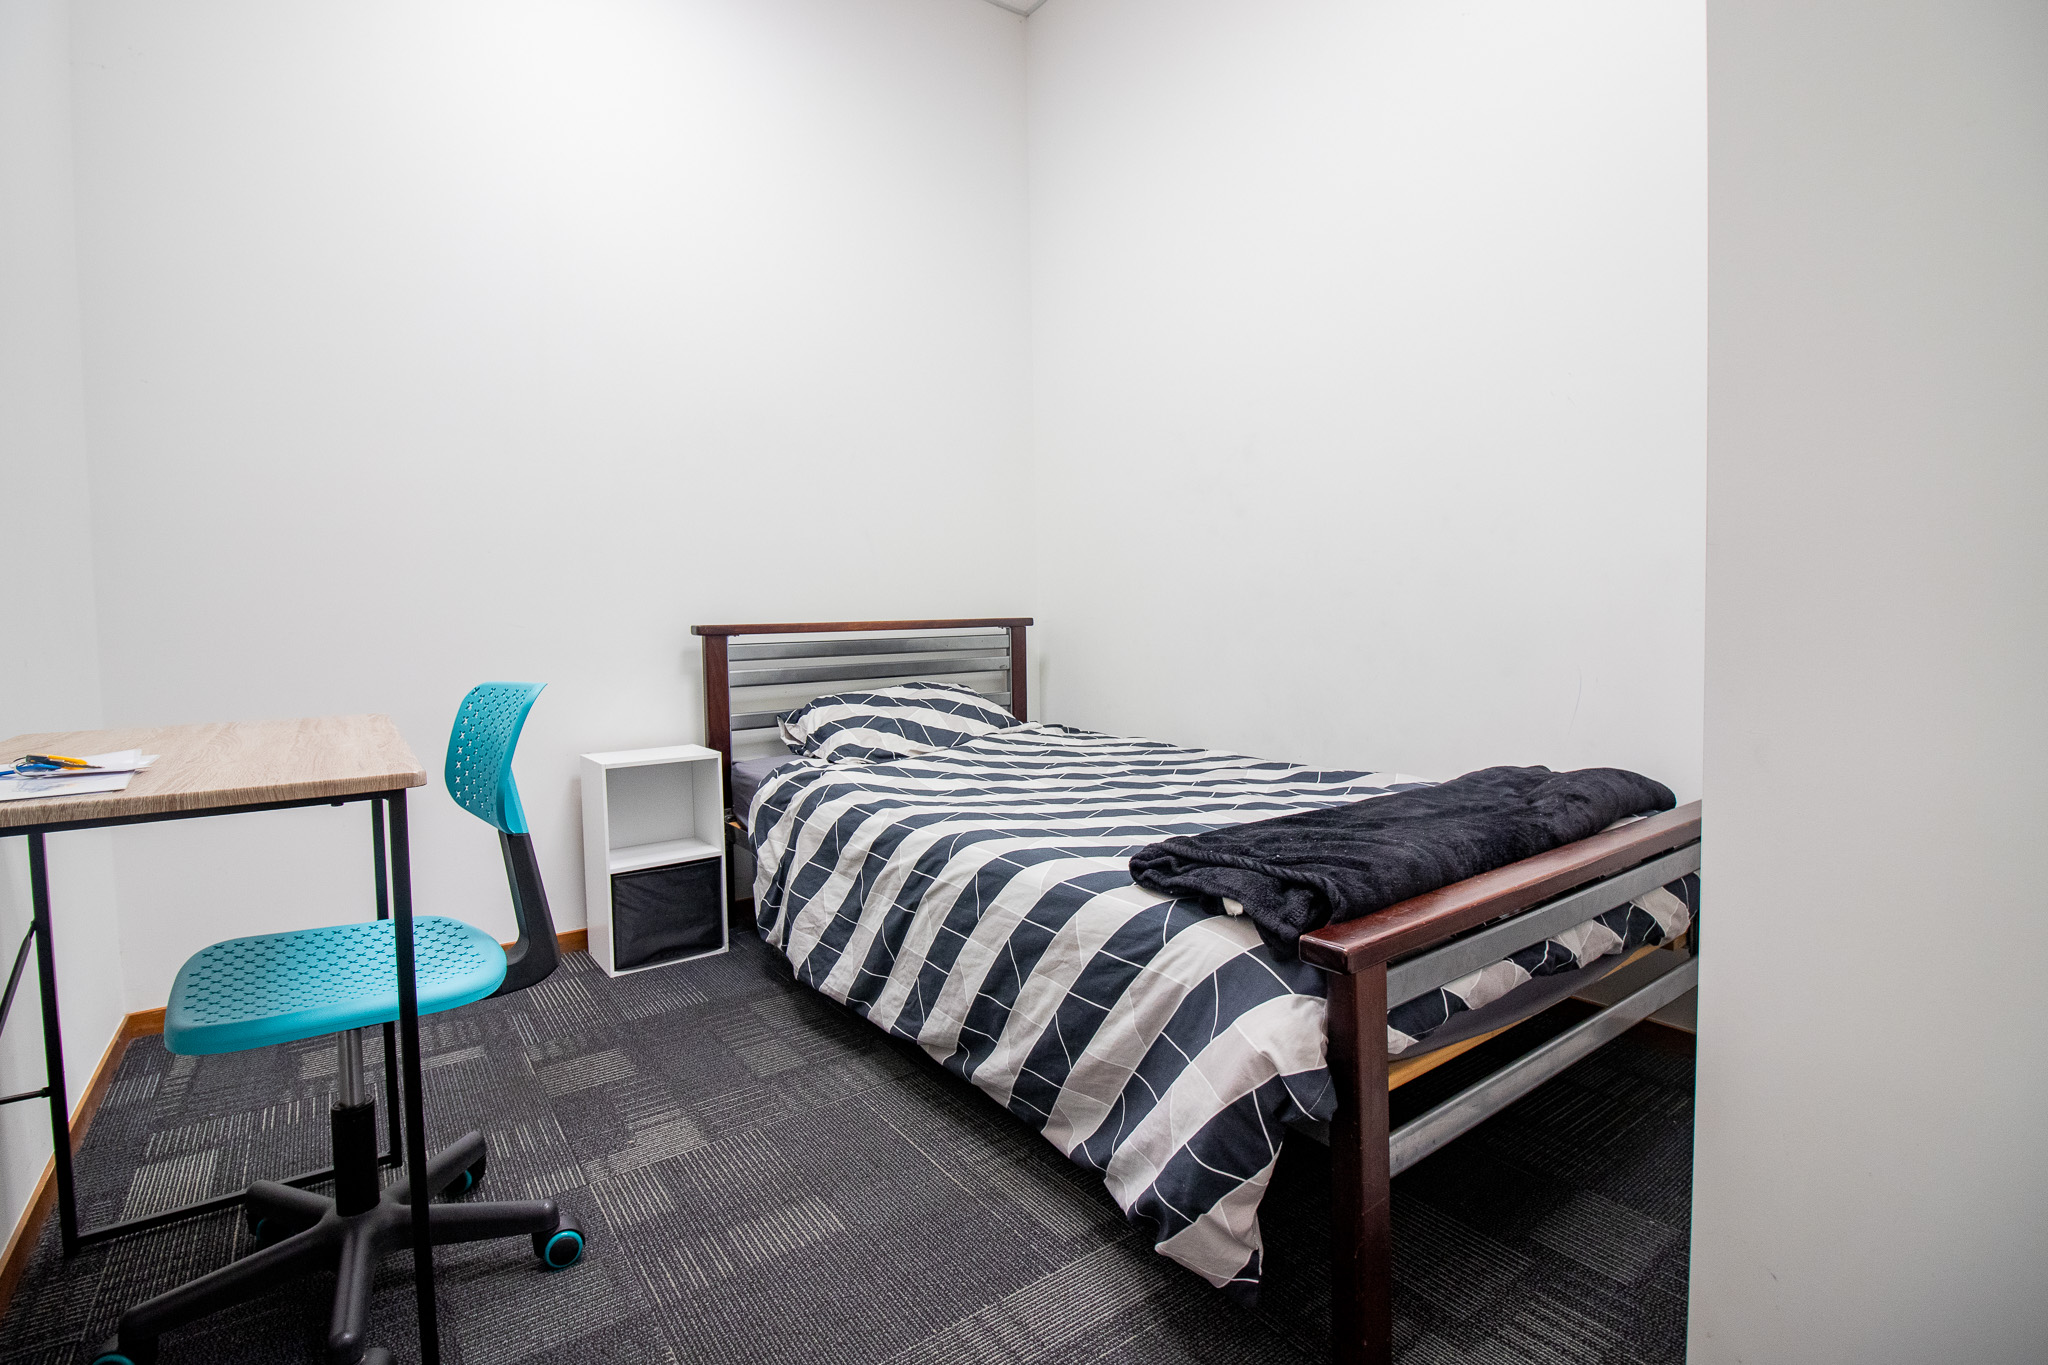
[(562, 1248), (112, 1354), (268, 1229), (468, 1180)]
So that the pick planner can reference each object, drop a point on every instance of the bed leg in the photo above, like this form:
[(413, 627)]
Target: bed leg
[(1362, 1231)]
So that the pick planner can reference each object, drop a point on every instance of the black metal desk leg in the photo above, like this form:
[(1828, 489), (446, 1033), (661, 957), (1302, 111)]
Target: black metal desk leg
[(415, 1104), (53, 1045), (395, 1129)]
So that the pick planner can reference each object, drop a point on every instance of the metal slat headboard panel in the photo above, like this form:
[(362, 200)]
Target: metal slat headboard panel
[(870, 645), (879, 671), (885, 652)]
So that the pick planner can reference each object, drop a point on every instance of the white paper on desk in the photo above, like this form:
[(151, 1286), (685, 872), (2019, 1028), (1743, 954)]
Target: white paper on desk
[(84, 784), (125, 761)]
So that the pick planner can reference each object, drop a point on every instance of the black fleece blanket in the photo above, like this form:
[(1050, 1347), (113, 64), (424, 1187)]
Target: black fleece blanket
[(1297, 873)]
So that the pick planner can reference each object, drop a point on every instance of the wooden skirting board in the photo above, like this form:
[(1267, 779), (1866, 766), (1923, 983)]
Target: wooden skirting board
[(141, 1024), (13, 1261)]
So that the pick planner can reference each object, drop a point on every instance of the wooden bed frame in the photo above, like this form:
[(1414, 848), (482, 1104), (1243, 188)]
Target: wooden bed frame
[(1383, 959)]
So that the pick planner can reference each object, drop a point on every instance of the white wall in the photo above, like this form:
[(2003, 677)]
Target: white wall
[(431, 343), (48, 597), (1872, 1091), (1369, 403)]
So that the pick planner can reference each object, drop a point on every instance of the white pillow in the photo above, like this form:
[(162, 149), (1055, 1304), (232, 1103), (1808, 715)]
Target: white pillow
[(892, 722)]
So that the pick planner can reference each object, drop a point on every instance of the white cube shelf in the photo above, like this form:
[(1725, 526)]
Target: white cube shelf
[(645, 809)]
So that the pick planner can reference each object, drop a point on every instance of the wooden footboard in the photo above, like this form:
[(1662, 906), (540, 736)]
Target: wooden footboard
[(1534, 898)]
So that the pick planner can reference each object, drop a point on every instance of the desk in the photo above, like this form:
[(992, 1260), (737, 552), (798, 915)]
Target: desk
[(224, 770)]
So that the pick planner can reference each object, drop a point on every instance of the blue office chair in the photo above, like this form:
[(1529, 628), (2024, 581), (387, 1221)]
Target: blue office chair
[(282, 988)]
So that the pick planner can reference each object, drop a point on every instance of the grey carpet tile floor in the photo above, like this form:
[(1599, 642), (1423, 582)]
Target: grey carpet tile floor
[(766, 1178)]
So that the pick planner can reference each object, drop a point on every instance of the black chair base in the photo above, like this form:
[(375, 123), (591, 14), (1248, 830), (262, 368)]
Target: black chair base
[(299, 1232)]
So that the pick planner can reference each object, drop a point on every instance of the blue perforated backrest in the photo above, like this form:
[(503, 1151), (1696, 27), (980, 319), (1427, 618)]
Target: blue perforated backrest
[(479, 771)]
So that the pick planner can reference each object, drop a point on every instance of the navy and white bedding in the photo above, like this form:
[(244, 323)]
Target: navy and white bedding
[(978, 901)]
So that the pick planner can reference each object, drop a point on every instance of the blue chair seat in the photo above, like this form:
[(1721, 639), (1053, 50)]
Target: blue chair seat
[(282, 988)]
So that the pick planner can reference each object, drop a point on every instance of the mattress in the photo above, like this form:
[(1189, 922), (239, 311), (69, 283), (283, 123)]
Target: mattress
[(978, 901), (747, 775)]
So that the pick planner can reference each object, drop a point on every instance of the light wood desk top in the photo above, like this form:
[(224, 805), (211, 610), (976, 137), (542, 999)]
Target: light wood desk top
[(235, 763)]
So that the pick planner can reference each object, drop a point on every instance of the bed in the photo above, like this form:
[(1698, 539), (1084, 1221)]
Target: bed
[(976, 899)]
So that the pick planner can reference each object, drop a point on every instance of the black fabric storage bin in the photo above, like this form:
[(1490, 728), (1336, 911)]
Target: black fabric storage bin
[(663, 913)]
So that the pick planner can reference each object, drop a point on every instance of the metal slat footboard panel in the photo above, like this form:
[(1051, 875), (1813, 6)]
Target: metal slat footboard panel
[(1406, 980), (1416, 1139), (871, 646), (903, 668)]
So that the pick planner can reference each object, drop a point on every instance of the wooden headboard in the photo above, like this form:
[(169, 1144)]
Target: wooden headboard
[(873, 652)]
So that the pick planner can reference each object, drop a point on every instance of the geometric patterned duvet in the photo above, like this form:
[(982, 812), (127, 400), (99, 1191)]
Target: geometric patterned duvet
[(978, 902)]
